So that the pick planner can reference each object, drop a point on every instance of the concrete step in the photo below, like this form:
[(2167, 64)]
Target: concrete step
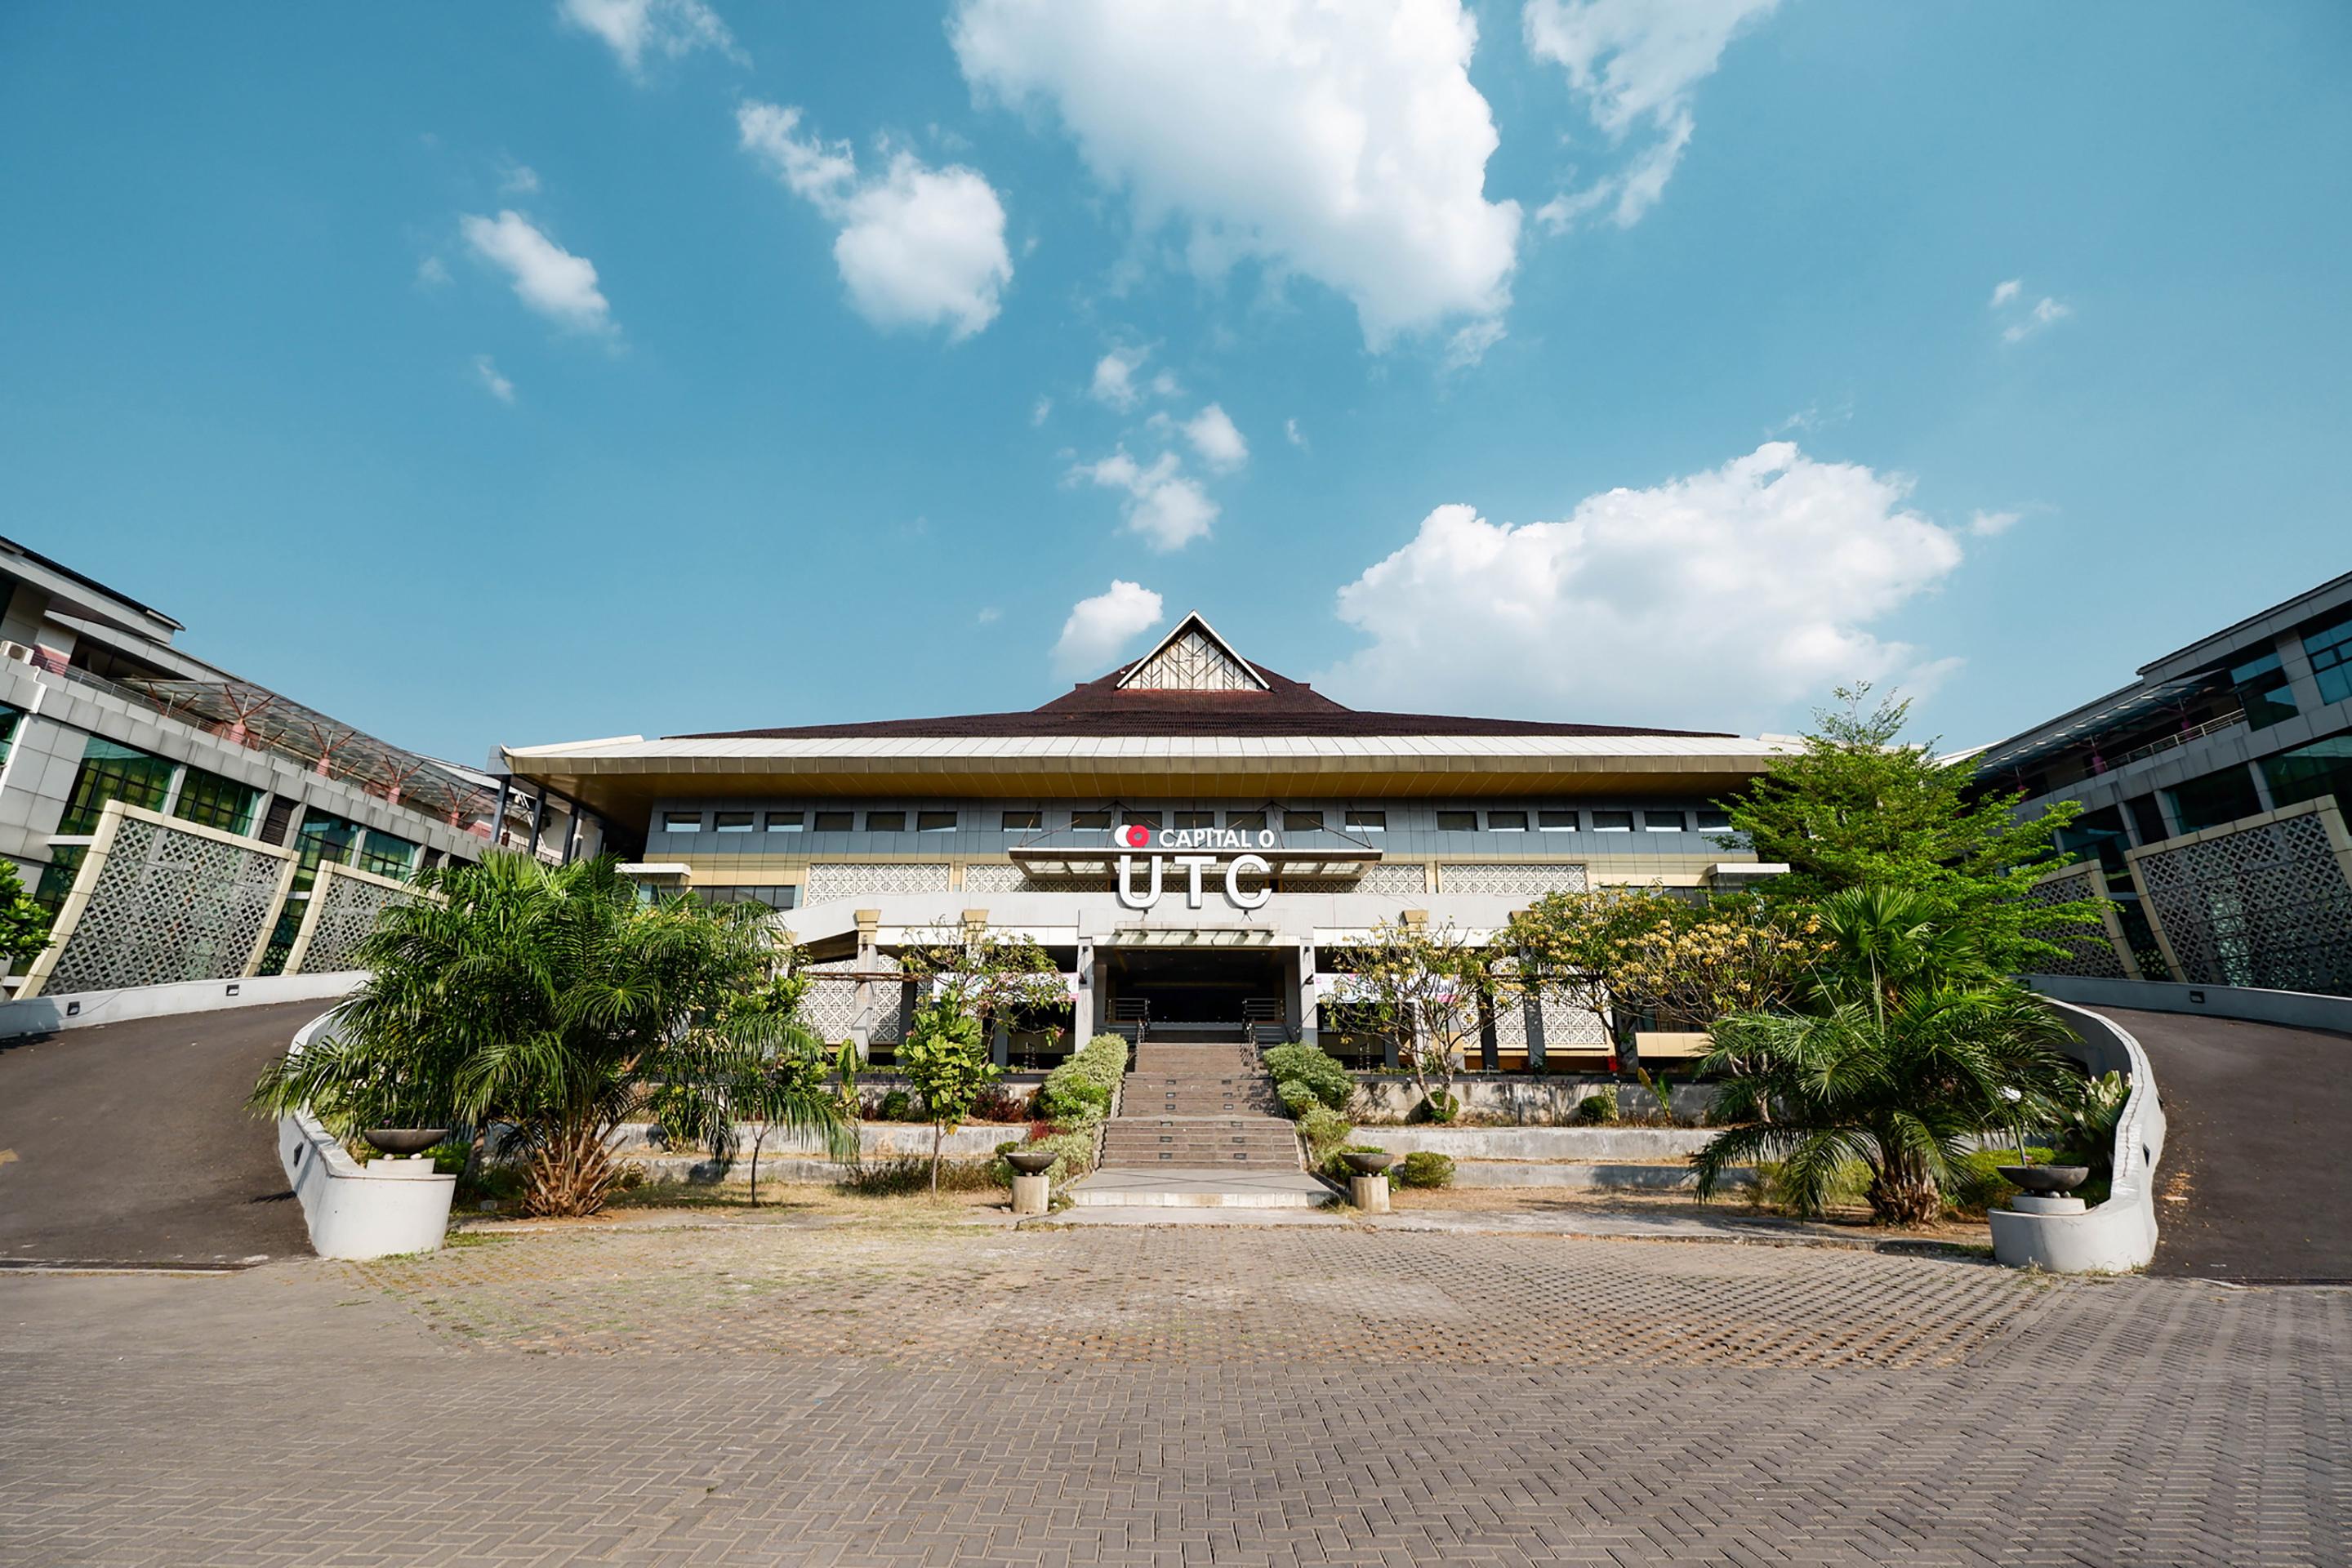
[(1179, 1142), (1196, 1060), (1181, 1188)]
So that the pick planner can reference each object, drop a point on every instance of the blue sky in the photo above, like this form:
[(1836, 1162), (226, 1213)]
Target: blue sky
[(1580, 359)]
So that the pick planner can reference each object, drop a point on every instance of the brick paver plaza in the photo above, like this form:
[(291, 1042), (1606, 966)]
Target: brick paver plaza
[(861, 1393)]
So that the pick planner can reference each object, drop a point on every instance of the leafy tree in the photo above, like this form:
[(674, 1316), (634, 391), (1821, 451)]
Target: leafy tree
[(945, 1057), (1860, 808), (1574, 946), (987, 977), (23, 924), (1900, 1085), (1430, 990), (546, 1000)]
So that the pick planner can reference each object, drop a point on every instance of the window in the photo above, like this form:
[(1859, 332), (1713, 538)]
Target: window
[(1457, 822), (935, 821), (835, 821), (1302, 822), (58, 877), (1022, 821), (215, 802), (1506, 822), (1245, 821), (2147, 821), (774, 898), (2330, 648), (1090, 819), (1663, 821), (1613, 822), (2097, 835), (2322, 767), (1556, 821), (886, 822), (109, 771), (2217, 797), (2263, 687), (783, 822), (732, 822), (1143, 819), (681, 822), (8, 717), (1196, 819), (1715, 822), (386, 854), (1364, 820)]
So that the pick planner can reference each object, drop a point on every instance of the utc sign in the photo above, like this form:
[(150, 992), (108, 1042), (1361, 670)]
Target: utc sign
[(1179, 847)]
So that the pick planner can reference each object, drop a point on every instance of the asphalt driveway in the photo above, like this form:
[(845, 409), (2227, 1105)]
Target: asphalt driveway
[(129, 1143)]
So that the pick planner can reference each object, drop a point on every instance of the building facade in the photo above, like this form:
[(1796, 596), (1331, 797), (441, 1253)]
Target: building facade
[(2213, 789), (1192, 838)]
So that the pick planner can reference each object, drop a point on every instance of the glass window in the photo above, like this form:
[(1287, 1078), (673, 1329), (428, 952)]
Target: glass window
[(1663, 821), (783, 822), (109, 771), (1457, 822), (215, 802), (774, 898), (1714, 821), (2217, 797), (1143, 819), (1506, 822), (1022, 821), (886, 822), (1367, 820), (2263, 688), (2322, 767), (386, 854), (1090, 818), (2097, 835), (681, 822), (57, 876), (732, 822), (1613, 822), (1245, 821), (2330, 649), (1196, 819), (1556, 821), (8, 717), (935, 821), (2147, 821), (835, 821), (1302, 822)]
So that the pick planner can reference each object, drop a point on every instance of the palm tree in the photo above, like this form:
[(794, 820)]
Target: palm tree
[(1887, 942), (1901, 1085), (548, 1001)]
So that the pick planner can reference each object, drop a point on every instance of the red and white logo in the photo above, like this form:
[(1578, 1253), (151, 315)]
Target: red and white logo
[(1137, 836)]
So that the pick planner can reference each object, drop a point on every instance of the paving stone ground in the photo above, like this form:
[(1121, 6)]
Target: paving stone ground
[(852, 1393)]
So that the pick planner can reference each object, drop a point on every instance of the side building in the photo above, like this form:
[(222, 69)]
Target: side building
[(1193, 837), (2213, 789)]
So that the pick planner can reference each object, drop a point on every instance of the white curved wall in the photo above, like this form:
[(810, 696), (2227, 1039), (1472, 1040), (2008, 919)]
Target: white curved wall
[(376, 1210), (2119, 1234)]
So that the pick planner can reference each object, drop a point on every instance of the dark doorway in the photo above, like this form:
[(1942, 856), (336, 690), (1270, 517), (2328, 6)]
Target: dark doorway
[(1193, 993)]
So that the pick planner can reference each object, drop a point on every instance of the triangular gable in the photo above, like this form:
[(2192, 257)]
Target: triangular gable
[(1193, 657)]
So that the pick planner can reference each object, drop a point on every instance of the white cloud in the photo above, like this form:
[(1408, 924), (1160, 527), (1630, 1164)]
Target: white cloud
[(1115, 378), (1213, 436), (432, 273), (1292, 434), (1164, 506), (547, 277), (1041, 413), (1993, 524), (1712, 600), (917, 246), (1344, 143), (1469, 345), (518, 180), (497, 385), (2045, 313), (989, 616), (2002, 293), (1101, 629), (636, 28), (1634, 65)]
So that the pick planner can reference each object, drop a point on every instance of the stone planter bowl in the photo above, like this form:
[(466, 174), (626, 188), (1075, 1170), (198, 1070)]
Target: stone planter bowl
[(2046, 1180), (405, 1140), (1031, 1162), (1369, 1164)]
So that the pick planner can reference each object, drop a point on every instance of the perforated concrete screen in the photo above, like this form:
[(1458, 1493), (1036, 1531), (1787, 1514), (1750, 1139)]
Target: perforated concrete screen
[(850, 879), (1529, 878), (160, 902), (2090, 952), (2268, 904)]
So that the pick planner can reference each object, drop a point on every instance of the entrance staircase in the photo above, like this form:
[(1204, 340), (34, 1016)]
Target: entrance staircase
[(1199, 1127)]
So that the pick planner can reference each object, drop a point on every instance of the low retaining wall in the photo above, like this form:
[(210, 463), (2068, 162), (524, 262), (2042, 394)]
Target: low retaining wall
[(375, 1210), (2291, 1009), (85, 1009), (1546, 1101), (790, 1158), (1569, 1159), (2119, 1234)]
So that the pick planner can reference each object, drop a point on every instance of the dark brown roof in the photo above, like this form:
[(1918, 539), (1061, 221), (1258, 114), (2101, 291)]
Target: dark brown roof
[(1100, 708)]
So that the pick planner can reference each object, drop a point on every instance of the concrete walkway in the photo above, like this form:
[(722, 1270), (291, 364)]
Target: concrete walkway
[(129, 1143), (2254, 1184), (1181, 1188)]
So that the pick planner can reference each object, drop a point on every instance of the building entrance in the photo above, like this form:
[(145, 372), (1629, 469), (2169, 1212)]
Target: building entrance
[(1173, 994)]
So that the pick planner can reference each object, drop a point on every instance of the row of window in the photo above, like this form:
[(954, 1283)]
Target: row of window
[(1354, 820), (2261, 683)]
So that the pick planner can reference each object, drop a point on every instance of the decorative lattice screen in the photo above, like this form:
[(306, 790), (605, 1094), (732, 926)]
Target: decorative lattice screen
[(2267, 905), (159, 901), (831, 1010), (1403, 876), (2090, 951), (853, 880), (991, 878), (343, 907), (1526, 878), (1192, 662)]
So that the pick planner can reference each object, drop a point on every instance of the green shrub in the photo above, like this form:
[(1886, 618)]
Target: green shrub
[(911, 1175), (1440, 1107), (897, 1106), (1325, 1130), (1598, 1108), (1317, 1069), (1074, 1153), (1296, 1098), (1424, 1168), (1336, 1167), (1080, 1089), (1979, 1185)]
